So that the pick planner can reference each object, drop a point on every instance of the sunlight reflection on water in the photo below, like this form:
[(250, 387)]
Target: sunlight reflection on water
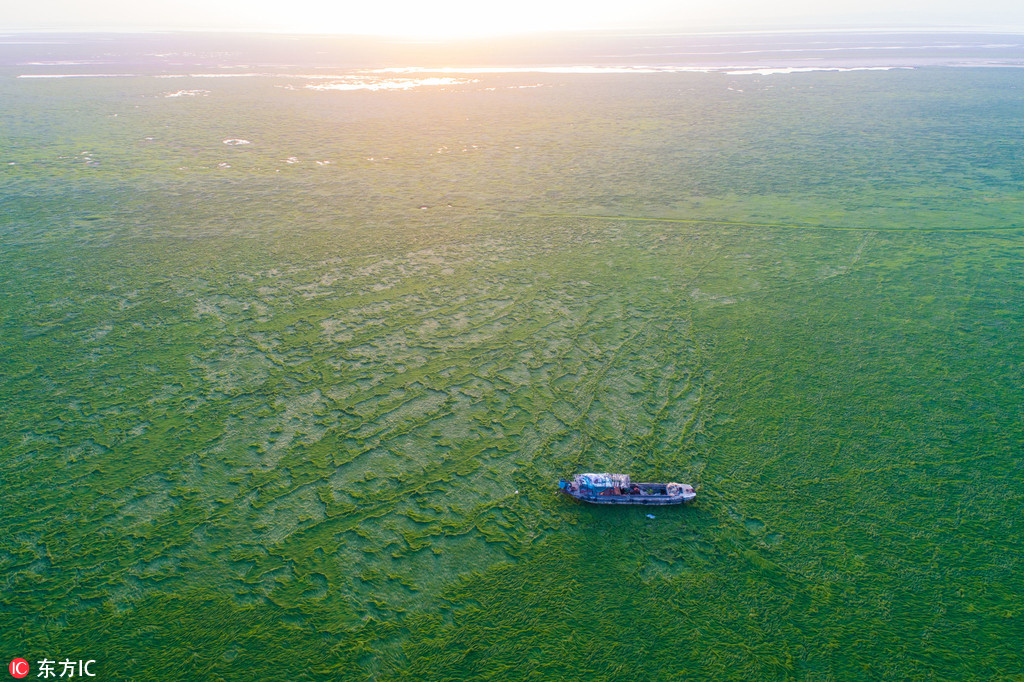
[(365, 83)]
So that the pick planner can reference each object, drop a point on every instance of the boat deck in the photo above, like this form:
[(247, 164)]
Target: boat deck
[(652, 494)]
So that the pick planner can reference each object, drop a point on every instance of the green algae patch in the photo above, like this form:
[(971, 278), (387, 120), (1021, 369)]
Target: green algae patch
[(276, 420)]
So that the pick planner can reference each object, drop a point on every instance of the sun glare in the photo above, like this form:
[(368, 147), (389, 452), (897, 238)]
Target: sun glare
[(454, 19)]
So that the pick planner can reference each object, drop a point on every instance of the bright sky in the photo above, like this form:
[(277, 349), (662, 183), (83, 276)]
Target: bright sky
[(474, 18)]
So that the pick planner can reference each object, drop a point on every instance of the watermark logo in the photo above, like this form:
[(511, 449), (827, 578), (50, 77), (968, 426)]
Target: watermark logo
[(67, 668), (18, 668), (48, 668)]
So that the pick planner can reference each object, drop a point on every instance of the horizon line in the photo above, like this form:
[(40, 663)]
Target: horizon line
[(626, 31)]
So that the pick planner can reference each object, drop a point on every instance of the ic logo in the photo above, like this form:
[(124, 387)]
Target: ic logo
[(18, 668)]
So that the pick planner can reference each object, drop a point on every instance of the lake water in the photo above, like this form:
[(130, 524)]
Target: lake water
[(298, 335)]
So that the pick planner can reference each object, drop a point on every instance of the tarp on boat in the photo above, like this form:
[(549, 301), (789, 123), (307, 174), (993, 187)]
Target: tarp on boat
[(601, 482)]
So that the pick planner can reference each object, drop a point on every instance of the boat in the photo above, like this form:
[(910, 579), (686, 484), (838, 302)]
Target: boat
[(618, 489)]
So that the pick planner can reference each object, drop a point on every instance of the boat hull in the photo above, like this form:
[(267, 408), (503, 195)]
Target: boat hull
[(641, 500), (605, 488)]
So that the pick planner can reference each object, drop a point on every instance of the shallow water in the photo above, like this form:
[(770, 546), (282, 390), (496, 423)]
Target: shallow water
[(297, 407)]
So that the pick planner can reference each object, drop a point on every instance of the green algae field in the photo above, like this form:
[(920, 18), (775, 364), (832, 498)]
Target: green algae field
[(288, 375)]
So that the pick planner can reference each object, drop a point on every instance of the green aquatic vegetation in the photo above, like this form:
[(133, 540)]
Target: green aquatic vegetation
[(293, 422)]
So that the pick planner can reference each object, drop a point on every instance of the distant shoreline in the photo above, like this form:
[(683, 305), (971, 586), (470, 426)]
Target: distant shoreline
[(48, 54)]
